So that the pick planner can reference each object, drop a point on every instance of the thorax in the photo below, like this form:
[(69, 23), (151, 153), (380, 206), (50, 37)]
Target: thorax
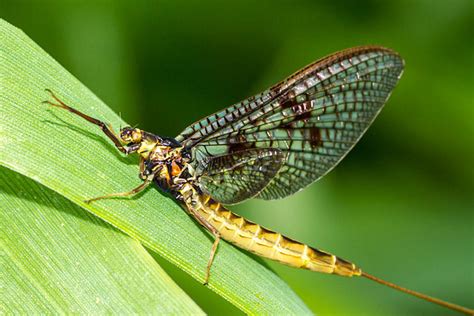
[(165, 163)]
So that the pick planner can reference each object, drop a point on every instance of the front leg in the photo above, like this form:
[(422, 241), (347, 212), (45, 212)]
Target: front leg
[(106, 128)]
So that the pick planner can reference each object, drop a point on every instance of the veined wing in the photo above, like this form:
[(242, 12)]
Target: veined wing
[(314, 117), (234, 177)]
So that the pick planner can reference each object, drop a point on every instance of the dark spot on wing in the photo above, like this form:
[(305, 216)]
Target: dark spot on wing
[(239, 143), (303, 116), (315, 137), (300, 117), (239, 147), (289, 100)]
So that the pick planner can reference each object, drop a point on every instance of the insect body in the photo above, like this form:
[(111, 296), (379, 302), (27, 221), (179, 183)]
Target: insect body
[(268, 146), (164, 162)]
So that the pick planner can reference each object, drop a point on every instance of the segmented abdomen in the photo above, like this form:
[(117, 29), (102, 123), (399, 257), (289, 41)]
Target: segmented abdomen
[(270, 244)]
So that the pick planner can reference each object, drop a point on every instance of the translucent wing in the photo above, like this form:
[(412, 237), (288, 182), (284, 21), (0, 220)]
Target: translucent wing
[(314, 117), (234, 177)]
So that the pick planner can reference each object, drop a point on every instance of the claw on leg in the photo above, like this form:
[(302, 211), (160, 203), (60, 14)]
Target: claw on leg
[(60, 103)]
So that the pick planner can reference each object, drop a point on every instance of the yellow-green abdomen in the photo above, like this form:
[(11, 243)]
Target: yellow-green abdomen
[(272, 245)]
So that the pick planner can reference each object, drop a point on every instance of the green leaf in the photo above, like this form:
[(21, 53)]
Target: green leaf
[(73, 158), (58, 257)]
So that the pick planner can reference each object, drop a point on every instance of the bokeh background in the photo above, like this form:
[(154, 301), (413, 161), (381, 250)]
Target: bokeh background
[(400, 205)]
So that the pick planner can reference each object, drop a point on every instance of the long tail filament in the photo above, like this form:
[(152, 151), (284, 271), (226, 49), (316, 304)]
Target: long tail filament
[(430, 299)]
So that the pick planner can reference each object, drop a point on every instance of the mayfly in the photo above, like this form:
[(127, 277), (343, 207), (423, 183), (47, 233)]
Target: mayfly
[(268, 147)]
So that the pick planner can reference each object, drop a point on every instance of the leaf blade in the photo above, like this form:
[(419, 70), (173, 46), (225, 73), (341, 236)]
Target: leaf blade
[(59, 257)]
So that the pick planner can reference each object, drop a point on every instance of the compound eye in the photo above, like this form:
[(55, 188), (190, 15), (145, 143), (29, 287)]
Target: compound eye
[(125, 134)]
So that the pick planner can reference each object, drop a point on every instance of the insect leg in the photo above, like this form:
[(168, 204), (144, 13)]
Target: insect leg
[(211, 257), (106, 128), (142, 168), (217, 237), (138, 189)]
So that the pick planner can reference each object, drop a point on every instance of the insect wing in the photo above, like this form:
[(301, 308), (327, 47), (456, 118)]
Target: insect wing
[(234, 177), (314, 117)]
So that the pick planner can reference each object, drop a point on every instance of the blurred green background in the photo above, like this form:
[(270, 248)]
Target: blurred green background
[(400, 205)]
